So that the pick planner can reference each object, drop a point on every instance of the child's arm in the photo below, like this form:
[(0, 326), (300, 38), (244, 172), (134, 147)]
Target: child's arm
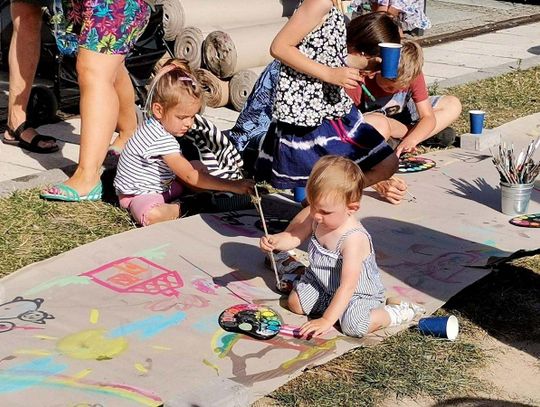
[(421, 131), (284, 47), (194, 178), (298, 230), (355, 249)]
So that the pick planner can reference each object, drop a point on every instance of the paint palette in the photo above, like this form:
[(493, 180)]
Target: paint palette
[(527, 221), (257, 321), (415, 164), (274, 225)]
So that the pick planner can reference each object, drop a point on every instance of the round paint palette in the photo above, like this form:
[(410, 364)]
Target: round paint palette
[(274, 225), (527, 221), (415, 164), (257, 321)]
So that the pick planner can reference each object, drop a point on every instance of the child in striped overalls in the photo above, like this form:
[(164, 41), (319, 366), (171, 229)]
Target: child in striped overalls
[(343, 281)]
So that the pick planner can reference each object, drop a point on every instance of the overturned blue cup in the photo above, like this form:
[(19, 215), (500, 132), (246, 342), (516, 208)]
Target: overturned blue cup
[(477, 121), (441, 327), (390, 54), (299, 194)]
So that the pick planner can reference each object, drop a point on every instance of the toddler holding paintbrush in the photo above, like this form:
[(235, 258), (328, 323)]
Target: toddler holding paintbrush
[(342, 282)]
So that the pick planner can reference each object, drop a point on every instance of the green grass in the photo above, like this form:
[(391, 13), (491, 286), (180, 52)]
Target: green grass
[(406, 364), (32, 229), (504, 98)]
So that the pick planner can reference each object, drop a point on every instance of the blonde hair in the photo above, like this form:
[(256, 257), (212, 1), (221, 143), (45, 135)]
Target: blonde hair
[(336, 177), (171, 83), (410, 63)]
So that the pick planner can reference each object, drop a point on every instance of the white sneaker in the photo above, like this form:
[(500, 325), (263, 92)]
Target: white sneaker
[(403, 312)]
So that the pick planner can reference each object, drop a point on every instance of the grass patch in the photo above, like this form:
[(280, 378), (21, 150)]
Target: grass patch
[(406, 364), (32, 229), (504, 98)]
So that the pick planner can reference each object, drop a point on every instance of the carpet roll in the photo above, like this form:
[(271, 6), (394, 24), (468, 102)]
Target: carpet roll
[(216, 91), (226, 53), (188, 45), (199, 13), (241, 85), (173, 18)]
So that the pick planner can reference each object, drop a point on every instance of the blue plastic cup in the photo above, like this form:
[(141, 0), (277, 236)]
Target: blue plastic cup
[(441, 327), (390, 55), (299, 194), (477, 121)]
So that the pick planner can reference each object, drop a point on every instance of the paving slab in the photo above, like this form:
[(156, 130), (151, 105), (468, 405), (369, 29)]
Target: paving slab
[(464, 59)]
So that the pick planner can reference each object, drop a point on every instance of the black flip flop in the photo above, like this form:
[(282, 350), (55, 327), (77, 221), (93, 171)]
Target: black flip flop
[(33, 145)]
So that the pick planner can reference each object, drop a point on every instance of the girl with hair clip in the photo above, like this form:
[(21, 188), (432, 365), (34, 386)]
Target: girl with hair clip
[(152, 171)]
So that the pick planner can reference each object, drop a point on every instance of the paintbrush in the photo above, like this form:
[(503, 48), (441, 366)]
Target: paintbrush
[(257, 203), (362, 85)]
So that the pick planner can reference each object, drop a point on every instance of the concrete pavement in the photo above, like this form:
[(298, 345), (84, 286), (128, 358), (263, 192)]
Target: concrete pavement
[(446, 64)]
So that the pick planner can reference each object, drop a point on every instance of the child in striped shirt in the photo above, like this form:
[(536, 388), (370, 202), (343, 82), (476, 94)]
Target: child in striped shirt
[(152, 171), (342, 282)]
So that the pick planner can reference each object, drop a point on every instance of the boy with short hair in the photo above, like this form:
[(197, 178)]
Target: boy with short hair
[(413, 114)]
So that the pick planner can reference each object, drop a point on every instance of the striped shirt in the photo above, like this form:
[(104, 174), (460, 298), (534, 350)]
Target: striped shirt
[(325, 267), (141, 168)]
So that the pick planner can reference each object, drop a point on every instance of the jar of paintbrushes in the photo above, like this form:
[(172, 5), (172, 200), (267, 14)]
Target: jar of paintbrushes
[(517, 176)]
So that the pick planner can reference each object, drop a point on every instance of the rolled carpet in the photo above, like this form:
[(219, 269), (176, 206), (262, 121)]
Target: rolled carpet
[(173, 18), (198, 13), (241, 85), (188, 44), (226, 53), (216, 91)]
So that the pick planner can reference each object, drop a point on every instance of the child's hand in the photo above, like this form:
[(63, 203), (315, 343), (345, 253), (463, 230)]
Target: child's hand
[(243, 187), (406, 146), (315, 327), (267, 243), (393, 189), (345, 77)]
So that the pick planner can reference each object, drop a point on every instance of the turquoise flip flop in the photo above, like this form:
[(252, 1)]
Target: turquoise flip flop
[(62, 192)]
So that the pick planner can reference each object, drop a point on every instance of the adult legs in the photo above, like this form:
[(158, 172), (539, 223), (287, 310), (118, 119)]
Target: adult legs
[(127, 118), (100, 109), (23, 59)]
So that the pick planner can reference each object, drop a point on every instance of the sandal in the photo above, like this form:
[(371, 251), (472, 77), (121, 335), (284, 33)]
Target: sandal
[(62, 192), (289, 270), (33, 145)]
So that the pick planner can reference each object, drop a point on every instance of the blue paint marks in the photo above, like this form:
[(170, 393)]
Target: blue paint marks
[(207, 324), (29, 374), (149, 327)]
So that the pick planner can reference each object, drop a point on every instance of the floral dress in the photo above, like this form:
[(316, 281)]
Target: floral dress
[(105, 26), (303, 100), (411, 14)]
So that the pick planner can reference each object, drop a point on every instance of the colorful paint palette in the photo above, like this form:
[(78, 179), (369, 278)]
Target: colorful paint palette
[(527, 221), (257, 321), (274, 225), (415, 164)]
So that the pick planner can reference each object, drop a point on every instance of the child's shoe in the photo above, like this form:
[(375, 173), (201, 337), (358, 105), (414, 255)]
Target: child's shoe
[(289, 269), (403, 312)]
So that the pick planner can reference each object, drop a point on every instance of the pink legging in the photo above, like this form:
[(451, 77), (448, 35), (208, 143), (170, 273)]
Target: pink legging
[(140, 205)]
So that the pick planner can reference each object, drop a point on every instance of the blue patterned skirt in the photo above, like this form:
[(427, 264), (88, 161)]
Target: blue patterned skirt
[(288, 153)]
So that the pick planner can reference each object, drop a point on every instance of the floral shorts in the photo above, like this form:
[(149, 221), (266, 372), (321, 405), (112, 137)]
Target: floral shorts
[(108, 27)]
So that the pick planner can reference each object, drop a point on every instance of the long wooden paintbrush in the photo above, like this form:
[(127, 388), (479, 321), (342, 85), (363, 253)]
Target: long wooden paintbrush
[(258, 206)]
